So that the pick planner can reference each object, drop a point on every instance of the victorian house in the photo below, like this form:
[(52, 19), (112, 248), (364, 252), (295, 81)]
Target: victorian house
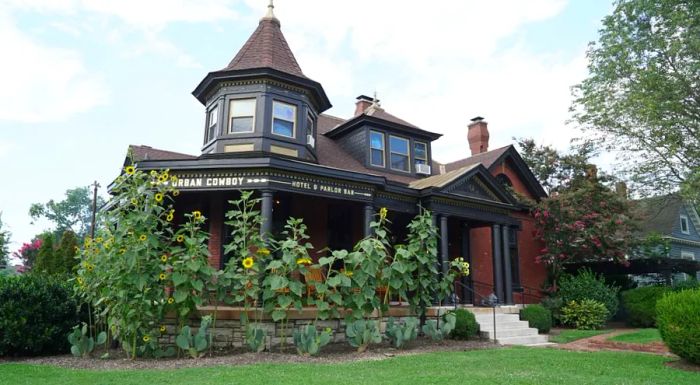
[(264, 129)]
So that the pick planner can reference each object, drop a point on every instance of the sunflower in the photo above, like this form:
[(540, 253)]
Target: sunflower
[(129, 170), (348, 273), (176, 193), (159, 197), (134, 201), (122, 251), (163, 178), (164, 258), (162, 276), (146, 338), (162, 328), (248, 262), (98, 240), (197, 215), (90, 267), (154, 173), (80, 281), (382, 213), (304, 261), (180, 238), (264, 251), (169, 218), (88, 241), (171, 300), (142, 237), (173, 179)]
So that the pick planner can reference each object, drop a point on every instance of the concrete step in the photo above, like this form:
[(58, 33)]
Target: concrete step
[(503, 325), (526, 340), (503, 333), (499, 318)]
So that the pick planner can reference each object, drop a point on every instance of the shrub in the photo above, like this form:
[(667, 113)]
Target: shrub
[(587, 285), (36, 314), (685, 285), (465, 325), (537, 316), (554, 305), (640, 305), (678, 318), (586, 314)]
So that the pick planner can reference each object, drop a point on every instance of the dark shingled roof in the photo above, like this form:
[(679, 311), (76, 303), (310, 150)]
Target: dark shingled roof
[(486, 158), (139, 153), (266, 47)]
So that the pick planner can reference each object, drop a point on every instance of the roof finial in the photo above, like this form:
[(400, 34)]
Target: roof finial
[(270, 13), (375, 101)]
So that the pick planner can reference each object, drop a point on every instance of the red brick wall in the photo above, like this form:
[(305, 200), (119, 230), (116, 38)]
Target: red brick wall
[(216, 217), (482, 261)]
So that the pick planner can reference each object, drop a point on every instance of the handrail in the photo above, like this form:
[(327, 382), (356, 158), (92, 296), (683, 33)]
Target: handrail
[(493, 305), (533, 293)]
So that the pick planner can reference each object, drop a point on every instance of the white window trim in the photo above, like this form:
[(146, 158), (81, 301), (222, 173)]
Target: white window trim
[(230, 115), (294, 123), (687, 255), (425, 145), (408, 147), (383, 149), (687, 224)]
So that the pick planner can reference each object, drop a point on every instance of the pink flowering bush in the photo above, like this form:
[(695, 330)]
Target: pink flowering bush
[(585, 224), (28, 252)]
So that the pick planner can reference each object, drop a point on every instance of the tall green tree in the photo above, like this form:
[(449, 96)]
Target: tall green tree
[(642, 95), (45, 258), (65, 253), (4, 244), (73, 213)]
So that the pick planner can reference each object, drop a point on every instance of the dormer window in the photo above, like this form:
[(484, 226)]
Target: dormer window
[(310, 140), (241, 116), (685, 228), (420, 152), (212, 120), (376, 144), (283, 119), (398, 153)]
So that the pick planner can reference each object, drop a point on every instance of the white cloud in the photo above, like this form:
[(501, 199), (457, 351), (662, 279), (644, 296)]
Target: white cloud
[(57, 75)]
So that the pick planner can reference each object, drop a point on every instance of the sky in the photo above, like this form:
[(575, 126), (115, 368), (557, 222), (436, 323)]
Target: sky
[(80, 80)]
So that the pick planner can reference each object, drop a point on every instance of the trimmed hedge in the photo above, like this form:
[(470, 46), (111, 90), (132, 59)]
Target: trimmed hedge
[(585, 315), (640, 305), (678, 318), (588, 285), (36, 314), (465, 325), (537, 316)]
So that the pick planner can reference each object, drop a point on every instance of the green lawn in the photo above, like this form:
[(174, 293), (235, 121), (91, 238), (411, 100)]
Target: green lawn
[(494, 366), (575, 334), (643, 336)]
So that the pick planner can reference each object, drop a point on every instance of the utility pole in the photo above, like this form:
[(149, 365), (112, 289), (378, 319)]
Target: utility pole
[(95, 186)]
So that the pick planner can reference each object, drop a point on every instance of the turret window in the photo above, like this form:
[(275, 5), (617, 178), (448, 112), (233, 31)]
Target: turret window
[(399, 155), (242, 116), (376, 141), (283, 119), (685, 229), (310, 139), (212, 120)]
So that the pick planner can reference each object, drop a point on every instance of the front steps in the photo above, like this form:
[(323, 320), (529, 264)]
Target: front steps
[(510, 330)]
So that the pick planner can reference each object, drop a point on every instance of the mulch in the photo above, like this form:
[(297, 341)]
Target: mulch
[(332, 353), (600, 342)]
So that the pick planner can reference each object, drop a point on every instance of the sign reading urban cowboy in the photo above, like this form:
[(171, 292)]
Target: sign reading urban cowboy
[(255, 180)]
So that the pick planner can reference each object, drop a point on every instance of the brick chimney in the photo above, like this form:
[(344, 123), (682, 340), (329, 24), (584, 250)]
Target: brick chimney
[(363, 102), (478, 135)]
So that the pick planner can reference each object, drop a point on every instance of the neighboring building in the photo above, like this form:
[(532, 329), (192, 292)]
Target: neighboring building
[(264, 130), (675, 221)]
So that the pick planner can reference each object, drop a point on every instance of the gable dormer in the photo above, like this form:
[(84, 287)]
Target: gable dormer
[(262, 102), (384, 142)]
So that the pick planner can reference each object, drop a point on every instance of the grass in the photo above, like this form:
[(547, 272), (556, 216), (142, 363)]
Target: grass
[(516, 365), (643, 336), (570, 335)]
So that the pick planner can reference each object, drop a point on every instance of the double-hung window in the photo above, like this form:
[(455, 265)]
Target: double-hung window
[(399, 154), (685, 228), (420, 152), (376, 144), (212, 120), (241, 116), (283, 119), (310, 139)]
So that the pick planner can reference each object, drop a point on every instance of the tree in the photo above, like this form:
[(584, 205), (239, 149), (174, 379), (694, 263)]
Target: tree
[(4, 245), (642, 96), (73, 213), (45, 258), (66, 252), (586, 223), (555, 170)]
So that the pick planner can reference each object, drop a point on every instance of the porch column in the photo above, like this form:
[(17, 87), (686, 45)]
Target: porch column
[(369, 213), (497, 244), (266, 212), (508, 272), (444, 244)]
